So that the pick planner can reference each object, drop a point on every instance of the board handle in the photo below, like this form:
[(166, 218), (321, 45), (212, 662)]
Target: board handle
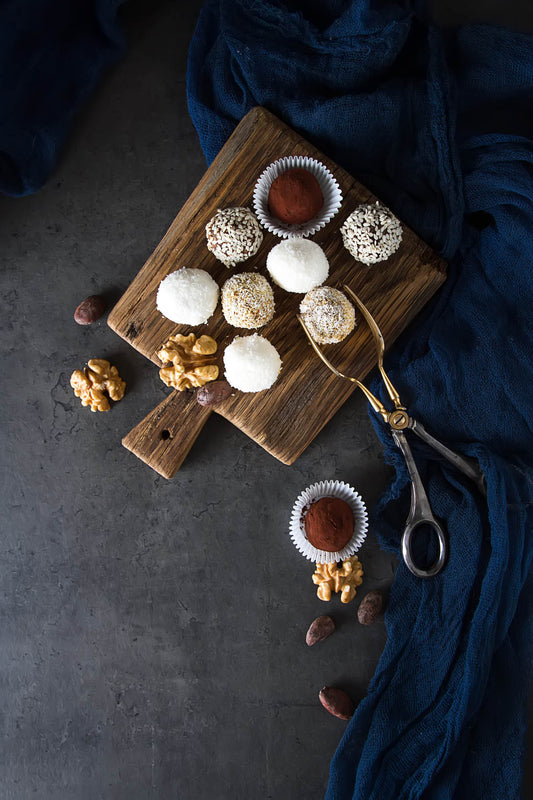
[(164, 437)]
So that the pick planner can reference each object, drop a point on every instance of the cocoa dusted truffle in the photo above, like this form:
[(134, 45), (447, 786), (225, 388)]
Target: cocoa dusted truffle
[(329, 524), (295, 196)]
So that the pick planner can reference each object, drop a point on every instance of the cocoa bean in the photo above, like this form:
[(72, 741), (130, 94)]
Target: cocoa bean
[(320, 629), (337, 702), (213, 393), (370, 608), (91, 309)]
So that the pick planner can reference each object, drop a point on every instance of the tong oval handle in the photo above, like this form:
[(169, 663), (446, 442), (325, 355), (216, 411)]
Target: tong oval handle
[(419, 514), (407, 554)]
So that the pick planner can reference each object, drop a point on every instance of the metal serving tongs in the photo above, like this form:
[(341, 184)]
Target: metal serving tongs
[(399, 420)]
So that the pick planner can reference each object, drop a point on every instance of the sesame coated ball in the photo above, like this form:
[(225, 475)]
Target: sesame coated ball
[(372, 233), (233, 235)]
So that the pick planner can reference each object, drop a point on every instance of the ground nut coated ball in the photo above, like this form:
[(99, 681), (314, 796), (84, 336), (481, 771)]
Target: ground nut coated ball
[(247, 300), (328, 315)]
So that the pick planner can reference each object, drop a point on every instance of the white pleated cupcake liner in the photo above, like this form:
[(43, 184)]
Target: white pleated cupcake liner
[(310, 495), (330, 190)]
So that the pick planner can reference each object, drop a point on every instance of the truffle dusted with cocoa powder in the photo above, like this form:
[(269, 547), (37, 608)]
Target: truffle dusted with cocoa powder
[(329, 524), (295, 196)]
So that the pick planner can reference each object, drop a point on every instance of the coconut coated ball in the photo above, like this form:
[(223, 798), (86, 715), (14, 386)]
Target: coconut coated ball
[(187, 296), (251, 363), (297, 265)]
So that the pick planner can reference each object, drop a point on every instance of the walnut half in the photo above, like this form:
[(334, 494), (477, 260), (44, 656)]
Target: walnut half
[(329, 577), (188, 361), (97, 379)]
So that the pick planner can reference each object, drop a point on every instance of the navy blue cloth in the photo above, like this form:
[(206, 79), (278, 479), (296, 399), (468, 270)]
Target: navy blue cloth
[(439, 126), (52, 53)]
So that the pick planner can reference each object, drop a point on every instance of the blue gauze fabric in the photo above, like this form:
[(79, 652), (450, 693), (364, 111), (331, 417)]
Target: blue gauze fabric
[(52, 53), (439, 126)]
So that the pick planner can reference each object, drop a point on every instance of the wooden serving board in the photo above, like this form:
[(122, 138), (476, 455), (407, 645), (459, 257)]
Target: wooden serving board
[(286, 418)]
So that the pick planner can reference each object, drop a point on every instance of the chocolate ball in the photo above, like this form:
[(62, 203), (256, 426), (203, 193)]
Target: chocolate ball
[(295, 196), (329, 524)]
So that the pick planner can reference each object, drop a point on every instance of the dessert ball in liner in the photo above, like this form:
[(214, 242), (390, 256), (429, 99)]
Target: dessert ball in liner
[(295, 197), (330, 191), (314, 493)]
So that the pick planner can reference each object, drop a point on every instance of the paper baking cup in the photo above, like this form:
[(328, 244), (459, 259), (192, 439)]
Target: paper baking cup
[(310, 495), (330, 190)]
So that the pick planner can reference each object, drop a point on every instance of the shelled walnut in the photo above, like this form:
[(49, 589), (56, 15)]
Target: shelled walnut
[(188, 361), (91, 384), (344, 579)]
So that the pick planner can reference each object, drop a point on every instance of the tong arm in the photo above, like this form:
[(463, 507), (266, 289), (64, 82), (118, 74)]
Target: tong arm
[(380, 346), (468, 466), (376, 404)]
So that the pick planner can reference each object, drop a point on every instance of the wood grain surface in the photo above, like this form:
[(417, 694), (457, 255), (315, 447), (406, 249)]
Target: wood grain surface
[(286, 418)]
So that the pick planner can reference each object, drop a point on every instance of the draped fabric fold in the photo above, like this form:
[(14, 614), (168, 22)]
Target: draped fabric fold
[(52, 54), (438, 125)]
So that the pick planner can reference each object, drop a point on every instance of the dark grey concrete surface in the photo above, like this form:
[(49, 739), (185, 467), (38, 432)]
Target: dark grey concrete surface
[(152, 632)]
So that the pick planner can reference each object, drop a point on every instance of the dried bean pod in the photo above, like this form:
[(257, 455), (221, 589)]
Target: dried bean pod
[(370, 608), (337, 702), (91, 309), (213, 393), (320, 629)]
